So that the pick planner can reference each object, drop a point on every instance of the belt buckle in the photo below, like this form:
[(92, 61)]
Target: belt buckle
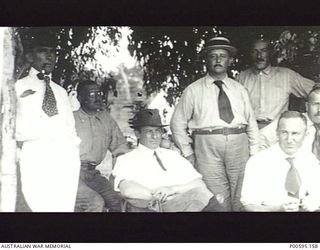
[(225, 131)]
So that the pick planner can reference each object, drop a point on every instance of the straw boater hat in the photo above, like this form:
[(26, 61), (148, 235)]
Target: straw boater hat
[(220, 43), (146, 117)]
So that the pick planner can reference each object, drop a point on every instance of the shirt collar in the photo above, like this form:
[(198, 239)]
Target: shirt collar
[(84, 115), (266, 71), (147, 150), (33, 73), (209, 80)]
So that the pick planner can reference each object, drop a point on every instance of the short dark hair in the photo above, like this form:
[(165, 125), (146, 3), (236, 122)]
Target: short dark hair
[(316, 88), (292, 114), (266, 40), (83, 85)]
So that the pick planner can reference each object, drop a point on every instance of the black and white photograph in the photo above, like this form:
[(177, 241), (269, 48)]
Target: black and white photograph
[(154, 121)]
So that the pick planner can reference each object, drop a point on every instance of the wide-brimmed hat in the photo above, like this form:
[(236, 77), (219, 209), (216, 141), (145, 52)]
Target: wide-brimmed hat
[(220, 43), (39, 37), (146, 117)]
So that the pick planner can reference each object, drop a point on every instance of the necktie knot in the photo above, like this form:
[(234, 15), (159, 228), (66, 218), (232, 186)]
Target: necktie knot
[(290, 160), (44, 77), (218, 83)]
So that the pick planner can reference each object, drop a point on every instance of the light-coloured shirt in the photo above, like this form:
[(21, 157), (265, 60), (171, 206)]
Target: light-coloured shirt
[(32, 122), (269, 89), (269, 137), (141, 166), (99, 133), (198, 109), (265, 176), (49, 158)]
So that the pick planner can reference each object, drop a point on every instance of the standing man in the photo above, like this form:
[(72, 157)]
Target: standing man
[(49, 158), (313, 110), (152, 178), (269, 87), (98, 133), (284, 177), (218, 112)]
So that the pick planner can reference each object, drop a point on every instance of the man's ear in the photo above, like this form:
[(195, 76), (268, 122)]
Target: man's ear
[(29, 57), (79, 97), (230, 61), (137, 133), (306, 103)]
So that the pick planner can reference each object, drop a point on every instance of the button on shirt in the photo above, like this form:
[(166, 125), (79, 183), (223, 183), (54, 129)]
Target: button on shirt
[(269, 89), (265, 176), (141, 166), (198, 109), (99, 133)]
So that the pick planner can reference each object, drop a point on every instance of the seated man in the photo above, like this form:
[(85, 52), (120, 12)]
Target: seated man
[(154, 178), (284, 177), (99, 133)]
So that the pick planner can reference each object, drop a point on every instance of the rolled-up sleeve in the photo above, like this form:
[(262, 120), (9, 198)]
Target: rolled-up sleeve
[(300, 85)]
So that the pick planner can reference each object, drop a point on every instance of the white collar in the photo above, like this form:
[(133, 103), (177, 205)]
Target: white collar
[(147, 150), (33, 73)]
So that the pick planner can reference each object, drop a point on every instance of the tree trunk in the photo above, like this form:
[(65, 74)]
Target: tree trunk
[(8, 166)]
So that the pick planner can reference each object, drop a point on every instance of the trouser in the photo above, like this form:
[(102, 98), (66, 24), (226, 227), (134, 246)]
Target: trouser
[(101, 185), (88, 200), (221, 160), (193, 200)]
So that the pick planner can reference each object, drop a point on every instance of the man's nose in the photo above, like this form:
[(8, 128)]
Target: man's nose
[(218, 60), (154, 135), (289, 138), (259, 55), (50, 55)]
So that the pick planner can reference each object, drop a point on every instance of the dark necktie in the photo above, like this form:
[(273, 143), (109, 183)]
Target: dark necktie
[(225, 111), (293, 180), (159, 161), (49, 104), (316, 144)]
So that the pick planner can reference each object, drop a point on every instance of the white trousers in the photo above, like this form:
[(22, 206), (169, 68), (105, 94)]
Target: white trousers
[(49, 175)]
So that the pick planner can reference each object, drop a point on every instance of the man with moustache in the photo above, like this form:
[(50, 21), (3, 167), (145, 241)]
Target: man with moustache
[(269, 87), (284, 177), (224, 129), (99, 133), (49, 157)]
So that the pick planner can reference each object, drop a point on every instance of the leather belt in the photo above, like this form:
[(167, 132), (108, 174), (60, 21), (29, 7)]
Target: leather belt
[(221, 131), (88, 165), (264, 121)]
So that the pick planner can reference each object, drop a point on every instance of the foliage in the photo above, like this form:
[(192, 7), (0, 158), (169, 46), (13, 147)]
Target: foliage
[(77, 47), (171, 56)]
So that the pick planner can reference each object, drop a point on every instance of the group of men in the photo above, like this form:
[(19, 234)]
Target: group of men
[(221, 126)]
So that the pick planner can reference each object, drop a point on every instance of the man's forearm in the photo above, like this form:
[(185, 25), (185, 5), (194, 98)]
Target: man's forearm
[(182, 188), (133, 190), (261, 208)]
